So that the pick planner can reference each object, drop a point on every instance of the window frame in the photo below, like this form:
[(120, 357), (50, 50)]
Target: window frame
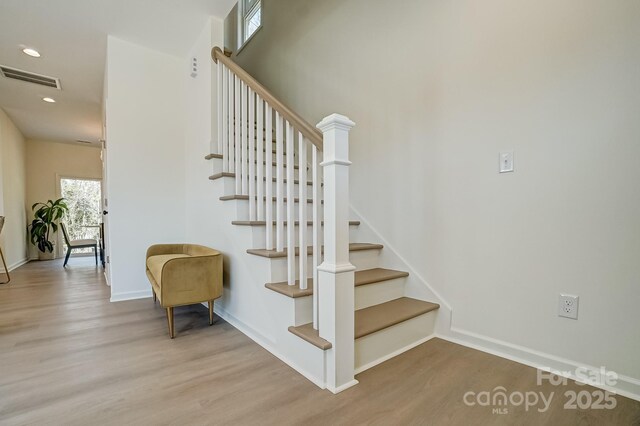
[(244, 17)]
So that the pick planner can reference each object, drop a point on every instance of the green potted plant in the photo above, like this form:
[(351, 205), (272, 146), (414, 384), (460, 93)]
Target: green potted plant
[(46, 216)]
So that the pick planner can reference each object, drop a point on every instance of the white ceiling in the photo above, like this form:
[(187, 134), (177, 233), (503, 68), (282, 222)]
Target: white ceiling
[(71, 36)]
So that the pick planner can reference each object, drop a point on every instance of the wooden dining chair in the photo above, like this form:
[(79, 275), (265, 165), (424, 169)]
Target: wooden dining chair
[(78, 244), (4, 263)]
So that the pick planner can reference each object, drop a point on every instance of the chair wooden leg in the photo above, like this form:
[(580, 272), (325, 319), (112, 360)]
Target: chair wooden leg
[(170, 321), (6, 270), (95, 253), (210, 312), (154, 296)]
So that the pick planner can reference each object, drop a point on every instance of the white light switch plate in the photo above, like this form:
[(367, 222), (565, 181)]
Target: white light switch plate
[(506, 161)]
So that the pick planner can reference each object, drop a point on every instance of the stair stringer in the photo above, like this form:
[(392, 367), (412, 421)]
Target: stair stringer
[(246, 304), (415, 285)]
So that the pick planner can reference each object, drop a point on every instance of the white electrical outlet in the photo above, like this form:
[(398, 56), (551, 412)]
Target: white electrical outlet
[(568, 306)]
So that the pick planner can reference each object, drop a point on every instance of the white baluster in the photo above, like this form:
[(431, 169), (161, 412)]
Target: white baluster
[(336, 273), (260, 157), (225, 118), (245, 139), (291, 209), (279, 185), (230, 159), (268, 213), (302, 208), (315, 178), (236, 138), (252, 156), (219, 105)]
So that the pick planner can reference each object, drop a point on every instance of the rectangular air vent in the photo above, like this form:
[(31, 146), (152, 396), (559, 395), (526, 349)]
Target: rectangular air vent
[(29, 77)]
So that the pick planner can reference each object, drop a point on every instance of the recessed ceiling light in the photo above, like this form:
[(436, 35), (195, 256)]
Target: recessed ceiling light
[(31, 52), (50, 100)]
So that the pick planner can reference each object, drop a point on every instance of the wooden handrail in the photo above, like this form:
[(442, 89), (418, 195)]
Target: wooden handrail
[(308, 131)]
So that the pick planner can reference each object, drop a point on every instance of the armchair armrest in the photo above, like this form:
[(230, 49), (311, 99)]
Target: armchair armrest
[(192, 279), (158, 249)]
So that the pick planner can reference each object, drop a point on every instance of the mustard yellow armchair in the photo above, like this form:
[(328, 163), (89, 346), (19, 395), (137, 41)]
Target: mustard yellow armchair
[(184, 274)]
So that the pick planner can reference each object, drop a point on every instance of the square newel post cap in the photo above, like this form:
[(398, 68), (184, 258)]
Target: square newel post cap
[(335, 122)]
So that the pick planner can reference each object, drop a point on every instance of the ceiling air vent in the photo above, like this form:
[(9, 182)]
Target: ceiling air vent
[(30, 77)]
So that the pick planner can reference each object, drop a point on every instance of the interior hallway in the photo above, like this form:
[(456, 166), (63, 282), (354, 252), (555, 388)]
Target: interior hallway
[(69, 356)]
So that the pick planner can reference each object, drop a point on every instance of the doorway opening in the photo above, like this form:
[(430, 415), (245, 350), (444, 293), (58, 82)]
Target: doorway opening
[(83, 197)]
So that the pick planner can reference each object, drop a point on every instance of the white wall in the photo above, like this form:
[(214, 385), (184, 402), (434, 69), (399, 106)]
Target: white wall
[(145, 115), (12, 193), (437, 89), (207, 223), (201, 225), (48, 161)]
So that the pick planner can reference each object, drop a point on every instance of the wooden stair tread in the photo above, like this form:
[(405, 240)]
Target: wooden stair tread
[(308, 333), (276, 254), (221, 175), (378, 317), (233, 175), (292, 291), (372, 319), (220, 157), (246, 197), (376, 275), (367, 276), (297, 222)]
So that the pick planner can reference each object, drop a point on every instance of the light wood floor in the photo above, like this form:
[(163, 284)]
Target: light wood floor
[(69, 356)]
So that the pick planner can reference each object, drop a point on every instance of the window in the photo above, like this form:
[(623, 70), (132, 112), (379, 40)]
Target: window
[(251, 19), (83, 197)]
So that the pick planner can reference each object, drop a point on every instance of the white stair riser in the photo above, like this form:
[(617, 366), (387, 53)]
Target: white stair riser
[(378, 347), (381, 292), (366, 259), (303, 310), (230, 187), (279, 268), (279, 265), (259, 234), (217, 166), (243, 209), (365, 296)]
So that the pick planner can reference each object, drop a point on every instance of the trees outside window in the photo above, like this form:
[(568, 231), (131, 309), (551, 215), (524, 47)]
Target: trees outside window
[(85, 215)]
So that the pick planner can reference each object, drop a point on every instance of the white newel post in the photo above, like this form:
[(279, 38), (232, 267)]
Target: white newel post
[(336, 273)]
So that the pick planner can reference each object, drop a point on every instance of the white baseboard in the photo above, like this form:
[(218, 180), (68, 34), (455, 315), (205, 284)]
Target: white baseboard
[(15, 265), (343, 387), (393, 354), (626, 386), (257, 337), (130, 295)]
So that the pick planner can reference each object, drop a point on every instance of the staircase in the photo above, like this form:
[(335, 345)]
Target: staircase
[(334, 310)]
